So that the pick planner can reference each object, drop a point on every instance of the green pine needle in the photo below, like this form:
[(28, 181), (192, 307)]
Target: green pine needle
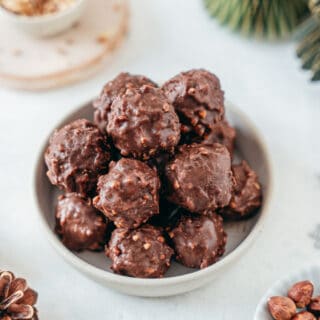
[(260, 18), (309, 47)]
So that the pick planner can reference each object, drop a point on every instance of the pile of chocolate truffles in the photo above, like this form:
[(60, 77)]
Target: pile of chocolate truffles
[(299, 304), (152, 178)]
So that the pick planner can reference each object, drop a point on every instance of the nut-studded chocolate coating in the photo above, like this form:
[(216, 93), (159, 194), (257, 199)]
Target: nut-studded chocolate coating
[(79, 224), (76, 155), (113, 89), (141, 253), (197, 98), (129, 194), (199, 177), (199, 240), (247, 195), (222, 133), (143, 123)]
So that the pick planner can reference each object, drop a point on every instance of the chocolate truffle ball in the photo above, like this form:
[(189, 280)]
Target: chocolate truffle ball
[(143, 123), (199, 240), (76, 155), (129, 194), (141, 253), (79, 224), (222, 133), (247, 195), (113, 89), (197, 98), (199, 178)]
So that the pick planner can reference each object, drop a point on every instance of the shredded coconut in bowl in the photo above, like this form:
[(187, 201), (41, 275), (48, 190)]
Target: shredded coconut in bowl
[(35, 7)]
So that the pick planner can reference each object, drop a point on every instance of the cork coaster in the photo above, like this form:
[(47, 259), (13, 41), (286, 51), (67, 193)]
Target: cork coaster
[(33, 64)]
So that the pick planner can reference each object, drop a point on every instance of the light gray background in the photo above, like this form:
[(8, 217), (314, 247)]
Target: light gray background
[(263, 79)]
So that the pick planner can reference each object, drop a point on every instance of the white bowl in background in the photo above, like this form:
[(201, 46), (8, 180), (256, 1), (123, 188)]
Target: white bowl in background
[(48, 24), (178, 279), (281, 287)]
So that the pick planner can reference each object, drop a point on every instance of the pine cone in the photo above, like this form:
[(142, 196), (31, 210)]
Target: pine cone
[(16, 299)]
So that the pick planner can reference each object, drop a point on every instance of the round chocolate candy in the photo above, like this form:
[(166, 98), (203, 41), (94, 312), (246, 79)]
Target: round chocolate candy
[(113, 89), (199, 240), (76, 155), (247, 195), (141, 253), (129, 194), (199, 178), (197, 98), (79, 224), (142, 123)]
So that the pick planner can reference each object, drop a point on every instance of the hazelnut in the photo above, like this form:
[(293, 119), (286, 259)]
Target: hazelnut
[(281, 308), (304, 315), (314, 306), (301, 293)]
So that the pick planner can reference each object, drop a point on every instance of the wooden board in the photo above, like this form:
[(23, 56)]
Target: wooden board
[(34, 64)]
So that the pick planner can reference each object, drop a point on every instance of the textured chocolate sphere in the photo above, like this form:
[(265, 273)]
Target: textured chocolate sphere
[(142, 123), (79, 224), (141, 253), (129, 194), (113, 89), (197, 98), (199, 241), (77, 154), (247, 194), (199, 178)]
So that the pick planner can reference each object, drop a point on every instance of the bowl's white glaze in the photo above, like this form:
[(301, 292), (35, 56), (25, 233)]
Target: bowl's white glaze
[(281, 287), (249, 145), (46, 25)]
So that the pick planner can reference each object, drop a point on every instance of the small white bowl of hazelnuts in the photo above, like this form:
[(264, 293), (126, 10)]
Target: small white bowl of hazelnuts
[(296, 297)]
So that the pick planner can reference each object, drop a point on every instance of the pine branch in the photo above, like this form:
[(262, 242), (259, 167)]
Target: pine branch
[(260, 18), (309, 47)]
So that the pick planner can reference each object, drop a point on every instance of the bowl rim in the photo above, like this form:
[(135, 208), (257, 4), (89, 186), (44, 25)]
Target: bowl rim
[(44, 18), (115, 279)]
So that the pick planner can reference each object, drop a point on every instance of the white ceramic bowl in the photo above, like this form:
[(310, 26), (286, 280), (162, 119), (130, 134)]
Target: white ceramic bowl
[(46, 25), (178, 279), (281, 287)]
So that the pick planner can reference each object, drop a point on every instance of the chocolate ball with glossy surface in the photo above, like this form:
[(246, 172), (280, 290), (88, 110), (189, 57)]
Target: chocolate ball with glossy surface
[(113, 89), (77, 154), (79, 224), (199, 178), (142, 123), (141, 253), (129, 194), (247, 194), (199, 240), (197, 98)]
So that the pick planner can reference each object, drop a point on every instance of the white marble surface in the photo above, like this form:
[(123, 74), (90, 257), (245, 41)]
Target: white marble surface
[(264, 79)]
